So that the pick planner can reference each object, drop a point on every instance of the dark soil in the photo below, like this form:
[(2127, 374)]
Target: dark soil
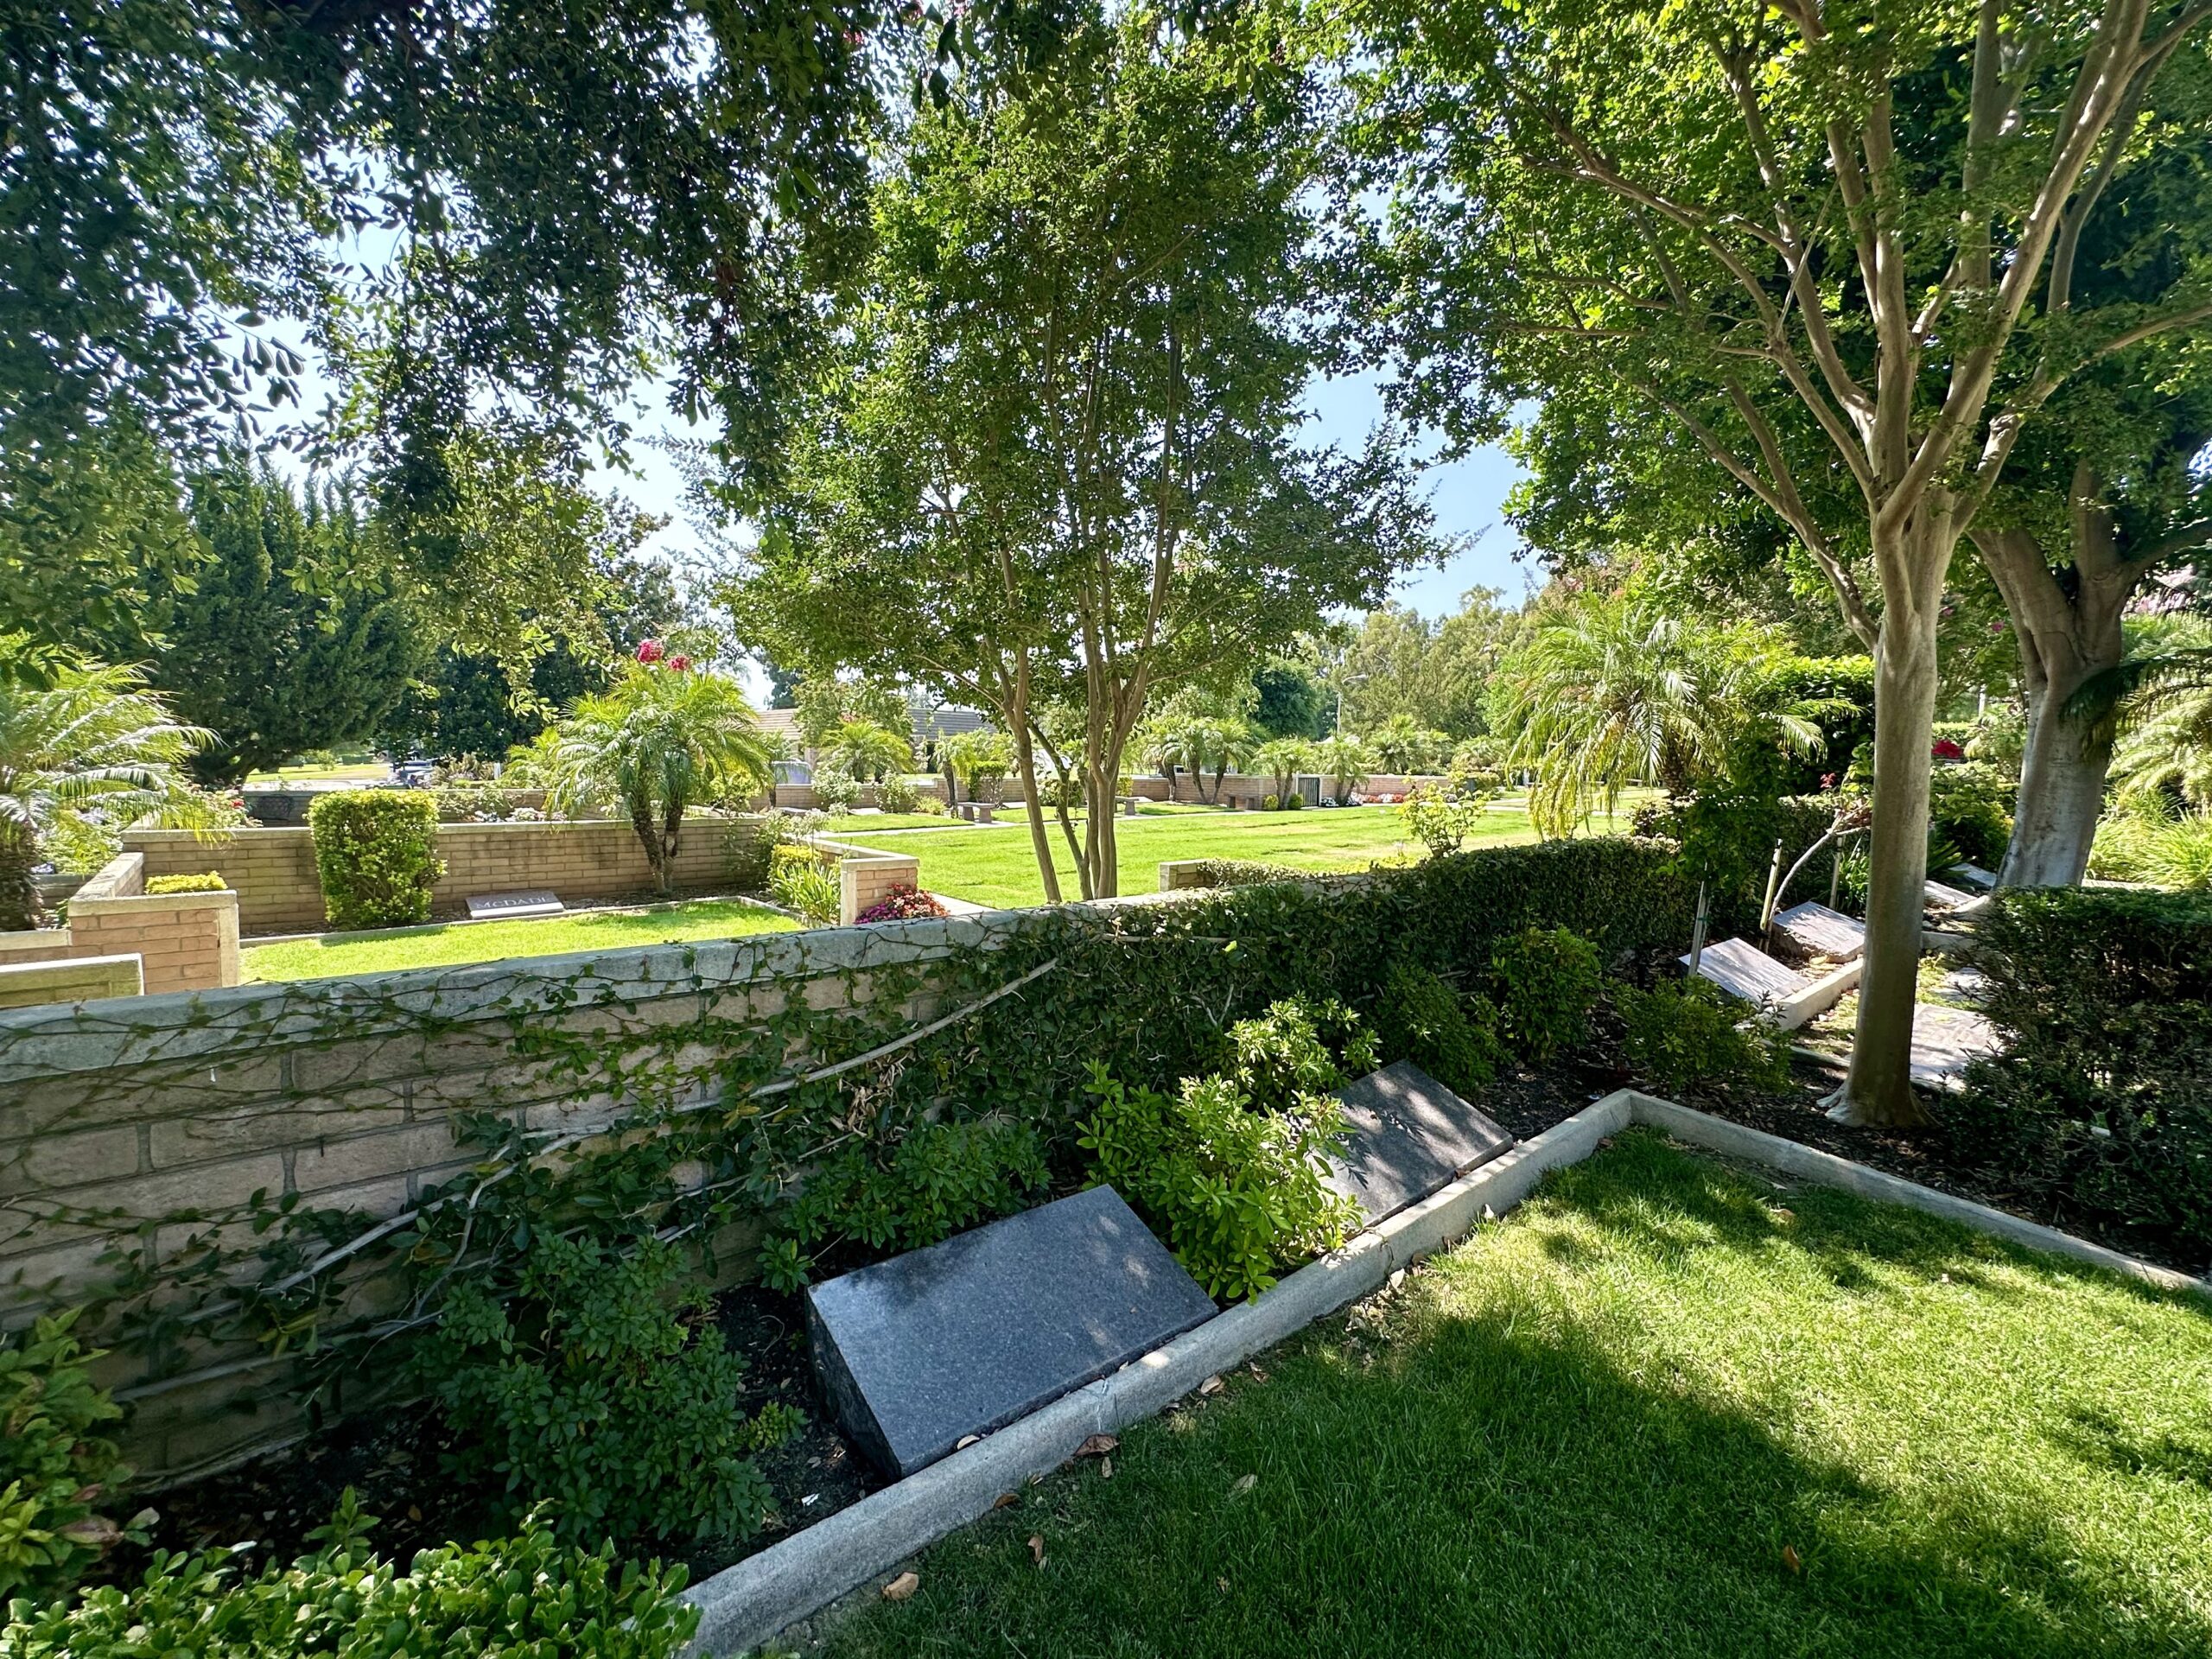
[(394, 1461)]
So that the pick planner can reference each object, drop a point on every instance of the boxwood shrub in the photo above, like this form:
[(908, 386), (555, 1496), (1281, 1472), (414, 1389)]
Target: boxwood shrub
[(376, 853), (2100, 1106)]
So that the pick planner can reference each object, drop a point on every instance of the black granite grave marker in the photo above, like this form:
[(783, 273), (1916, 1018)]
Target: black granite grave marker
[(919, 1352), (1409, 1136)]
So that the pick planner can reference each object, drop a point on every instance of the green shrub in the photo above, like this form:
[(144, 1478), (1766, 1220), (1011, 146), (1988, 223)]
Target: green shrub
[(1419, 1018), (1970, 806), (1236, 1192), (527, 1597), (798, 879), (896, 794), (835, 791), (210, 882), (1544, 981), (2149, 843), (1686, 1033), (1292, 801), (55, 1474), (1299, 1046), (2100, 1101), (376, 853), (935, 1180), (1270, 804), (1440, 820), (1244, 871), (601, 1389)]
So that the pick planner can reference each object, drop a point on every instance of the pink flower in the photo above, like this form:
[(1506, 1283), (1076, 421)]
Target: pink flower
[(679, 662), (1827, 780), (651, 650)]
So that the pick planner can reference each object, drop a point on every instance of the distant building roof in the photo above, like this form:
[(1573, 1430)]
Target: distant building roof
[(946, 720)]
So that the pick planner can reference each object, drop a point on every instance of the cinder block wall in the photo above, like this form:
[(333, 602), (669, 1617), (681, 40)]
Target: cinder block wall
[(116, 1117), (278, 891)]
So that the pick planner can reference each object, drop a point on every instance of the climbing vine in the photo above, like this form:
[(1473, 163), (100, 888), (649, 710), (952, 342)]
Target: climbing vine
[(692, 1097)]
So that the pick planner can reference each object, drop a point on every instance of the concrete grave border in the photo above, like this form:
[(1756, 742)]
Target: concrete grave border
[(744, 1605)]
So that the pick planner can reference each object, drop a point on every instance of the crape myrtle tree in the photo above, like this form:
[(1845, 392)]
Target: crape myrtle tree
[(1055, 464), (1761, 222)]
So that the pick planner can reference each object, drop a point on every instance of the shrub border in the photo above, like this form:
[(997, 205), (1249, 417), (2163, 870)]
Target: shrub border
[(743, 1606)]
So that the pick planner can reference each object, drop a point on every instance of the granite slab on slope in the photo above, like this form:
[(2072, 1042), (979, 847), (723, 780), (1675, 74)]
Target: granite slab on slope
[(1825, 931), (1741, 969), (919, 1352), (1409, 1136)]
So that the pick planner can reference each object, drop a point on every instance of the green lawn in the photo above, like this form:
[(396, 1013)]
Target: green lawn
[(439, 946), (846, 823), (352, 771), (994, 865), (1665, 1410)]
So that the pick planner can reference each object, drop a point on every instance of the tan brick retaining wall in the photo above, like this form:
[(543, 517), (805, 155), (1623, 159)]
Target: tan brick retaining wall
[(185, 941), (138, 1109), (582, 860)]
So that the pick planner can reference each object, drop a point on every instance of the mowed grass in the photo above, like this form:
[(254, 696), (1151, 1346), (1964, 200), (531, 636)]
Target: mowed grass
[(1666, 1408), (444, 946), (994, 865)]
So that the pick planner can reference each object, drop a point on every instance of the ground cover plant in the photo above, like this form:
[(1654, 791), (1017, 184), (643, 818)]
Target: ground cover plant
[(1668, 1408), (994, 865), (440, 947)]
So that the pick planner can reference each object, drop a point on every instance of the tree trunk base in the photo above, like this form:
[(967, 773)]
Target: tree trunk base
[(1842, 1109)]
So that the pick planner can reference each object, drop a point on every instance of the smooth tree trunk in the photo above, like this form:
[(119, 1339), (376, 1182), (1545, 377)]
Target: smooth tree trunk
[(1878, 1090), (2067, 633), (1025, 762)]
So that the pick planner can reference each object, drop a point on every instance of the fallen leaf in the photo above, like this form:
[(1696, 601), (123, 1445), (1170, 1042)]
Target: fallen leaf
[(1037, 1548), (1098, 1445), (1258, 1375), (96, 1531), (1211, 1385), (966, 1441), (414, 1511), (1397, 1278), (1105, 1468), (1244, 1484), (1789, 1559), (1007, 1500), (1037, 1480), (902, 1587)]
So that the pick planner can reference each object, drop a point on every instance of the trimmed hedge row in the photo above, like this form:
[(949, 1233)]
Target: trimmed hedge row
[(2100, 1103), (1149, 990)]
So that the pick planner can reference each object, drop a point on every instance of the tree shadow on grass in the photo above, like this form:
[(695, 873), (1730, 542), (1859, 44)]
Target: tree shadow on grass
[(1670, 1201), (2099, 1440)]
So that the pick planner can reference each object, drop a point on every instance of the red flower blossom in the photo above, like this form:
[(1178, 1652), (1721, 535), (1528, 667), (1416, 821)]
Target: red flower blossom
[(1947, 748), (651, 650), (679, 662)]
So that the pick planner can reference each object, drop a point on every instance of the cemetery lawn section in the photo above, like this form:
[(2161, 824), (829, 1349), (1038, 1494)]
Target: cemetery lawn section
[(444, 946), (994, 865), (1669, 1406)]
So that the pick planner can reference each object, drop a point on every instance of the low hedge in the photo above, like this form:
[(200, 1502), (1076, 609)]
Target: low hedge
[(2100, 1105), (210, 882), (376, 853)]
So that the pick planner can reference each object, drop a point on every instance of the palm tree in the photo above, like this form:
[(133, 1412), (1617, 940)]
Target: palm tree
[(867, 751), (2159, 700), (1165, 745), (974, 757), (1610, 692), (1400, 746), (90, 739), (658, 740), (1220, 743), (1344, 760), (1281, 758)]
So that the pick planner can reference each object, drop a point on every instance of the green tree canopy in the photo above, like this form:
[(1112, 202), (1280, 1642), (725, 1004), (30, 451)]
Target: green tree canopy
[(1852, 297), (1056, 462)]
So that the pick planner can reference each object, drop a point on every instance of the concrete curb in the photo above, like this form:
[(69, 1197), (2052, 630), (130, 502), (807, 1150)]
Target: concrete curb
[(744, 1605)]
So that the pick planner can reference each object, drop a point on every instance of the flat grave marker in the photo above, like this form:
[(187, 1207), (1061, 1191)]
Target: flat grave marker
[(1742, 970), (483, 906), (1409, 1136), (917, 1353), (1824, 931)]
